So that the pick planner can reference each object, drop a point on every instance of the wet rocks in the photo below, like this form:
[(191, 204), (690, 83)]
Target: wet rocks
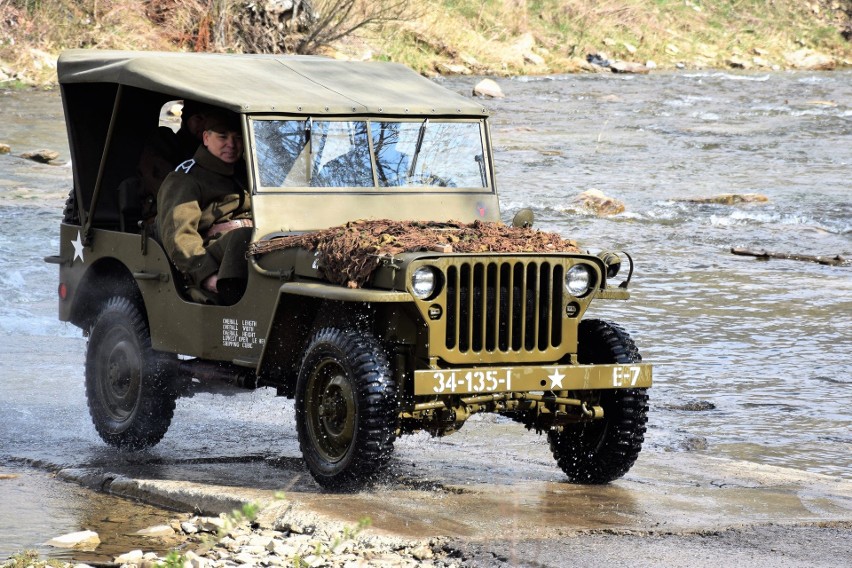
[(692, 406), (729, 199), (315, 545), (158, 531), (41, 156), (596, 202), (488, 88), (5, 148), (629, 67), (82, 540)]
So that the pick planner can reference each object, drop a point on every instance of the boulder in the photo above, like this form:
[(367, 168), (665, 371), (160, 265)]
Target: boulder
[(452, 69), (628, 67), (41, 156), (594, 201), (5, 148), (88, 540), (730, 199), (810, 60), (488, 88)]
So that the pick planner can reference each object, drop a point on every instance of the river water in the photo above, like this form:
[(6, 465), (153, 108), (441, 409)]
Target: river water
[(763, 346)]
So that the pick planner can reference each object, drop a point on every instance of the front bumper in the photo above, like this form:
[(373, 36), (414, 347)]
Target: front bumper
[(555, 378)]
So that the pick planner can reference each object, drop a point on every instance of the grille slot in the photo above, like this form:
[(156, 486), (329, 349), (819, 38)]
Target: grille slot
[(504, 306)]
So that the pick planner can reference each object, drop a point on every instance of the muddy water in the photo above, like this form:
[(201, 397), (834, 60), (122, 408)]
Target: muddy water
[(766, 344)]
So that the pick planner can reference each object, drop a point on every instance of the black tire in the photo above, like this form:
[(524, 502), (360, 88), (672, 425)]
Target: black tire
[(603, 450), (346, 411), (130, 398)]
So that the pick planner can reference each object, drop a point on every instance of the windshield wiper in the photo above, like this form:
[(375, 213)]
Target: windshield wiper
[(420, 135)]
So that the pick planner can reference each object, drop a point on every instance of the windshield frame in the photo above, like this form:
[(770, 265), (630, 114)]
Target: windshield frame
[(253, 160)]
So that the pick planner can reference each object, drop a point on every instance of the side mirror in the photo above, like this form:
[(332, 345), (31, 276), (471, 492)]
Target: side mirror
[(523, 219)]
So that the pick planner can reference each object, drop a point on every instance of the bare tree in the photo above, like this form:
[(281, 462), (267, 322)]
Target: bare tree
[(336, 19), (305, 26)]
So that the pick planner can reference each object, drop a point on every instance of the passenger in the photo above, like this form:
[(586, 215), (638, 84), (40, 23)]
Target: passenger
[(165, 149), (204, 213)]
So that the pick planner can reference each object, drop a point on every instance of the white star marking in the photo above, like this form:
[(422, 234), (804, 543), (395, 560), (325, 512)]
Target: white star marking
[(555, 379), (78, 249)]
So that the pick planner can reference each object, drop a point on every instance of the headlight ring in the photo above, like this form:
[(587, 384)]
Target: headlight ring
[(425, 282), (579, 280)]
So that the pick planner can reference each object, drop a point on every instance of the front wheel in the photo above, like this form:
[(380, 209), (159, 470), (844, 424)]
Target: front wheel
[(130, 400), (345, 408), (603, 450)]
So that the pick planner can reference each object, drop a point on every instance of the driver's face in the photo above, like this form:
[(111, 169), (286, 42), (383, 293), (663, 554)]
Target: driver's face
[(227, 146)]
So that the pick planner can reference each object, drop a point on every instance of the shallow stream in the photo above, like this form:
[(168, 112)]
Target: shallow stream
[(764, 346)]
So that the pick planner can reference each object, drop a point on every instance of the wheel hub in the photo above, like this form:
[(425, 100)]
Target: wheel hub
[(334, 421)]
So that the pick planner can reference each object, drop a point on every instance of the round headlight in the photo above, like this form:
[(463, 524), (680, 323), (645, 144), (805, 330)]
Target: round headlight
[(424, 282), (578, 280)]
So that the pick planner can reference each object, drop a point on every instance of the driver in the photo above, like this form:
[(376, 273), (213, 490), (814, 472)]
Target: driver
[(204, 213)]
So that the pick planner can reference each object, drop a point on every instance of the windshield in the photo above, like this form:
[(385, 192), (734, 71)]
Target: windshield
[(365, 153)]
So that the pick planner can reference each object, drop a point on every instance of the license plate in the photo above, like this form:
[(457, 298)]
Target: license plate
[(519, 379)]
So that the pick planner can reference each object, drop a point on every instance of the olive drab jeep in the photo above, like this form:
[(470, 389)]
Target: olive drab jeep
[(372, 341)]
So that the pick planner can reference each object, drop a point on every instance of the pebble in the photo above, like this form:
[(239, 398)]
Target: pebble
[(252, 547)]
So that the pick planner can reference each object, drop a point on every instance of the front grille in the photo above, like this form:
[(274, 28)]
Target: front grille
[(504, 306)]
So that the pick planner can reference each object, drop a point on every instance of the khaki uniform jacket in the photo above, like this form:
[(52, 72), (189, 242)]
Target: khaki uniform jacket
[(198, 194)]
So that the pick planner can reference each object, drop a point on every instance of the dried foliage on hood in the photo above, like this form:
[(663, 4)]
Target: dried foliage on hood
[(351, 253)]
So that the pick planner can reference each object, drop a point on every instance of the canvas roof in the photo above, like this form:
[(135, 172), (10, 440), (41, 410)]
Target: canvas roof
[(270, 83)]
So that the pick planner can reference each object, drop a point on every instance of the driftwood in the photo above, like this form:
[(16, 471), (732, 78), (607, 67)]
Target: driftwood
[(765, 255)]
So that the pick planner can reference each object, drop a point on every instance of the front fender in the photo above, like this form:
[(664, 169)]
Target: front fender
[(302, 307)]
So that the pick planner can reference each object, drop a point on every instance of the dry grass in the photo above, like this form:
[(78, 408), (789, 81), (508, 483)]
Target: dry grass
[(498, 37)]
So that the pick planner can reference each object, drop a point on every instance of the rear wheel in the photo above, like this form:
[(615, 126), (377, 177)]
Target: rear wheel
[(127, 383), (345, 408), (603, 450)]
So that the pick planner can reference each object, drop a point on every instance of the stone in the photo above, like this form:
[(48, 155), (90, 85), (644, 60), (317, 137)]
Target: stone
[(468, 59), (422, 552), (188, 527), (132, 557), (210, 524), (533, 58), (157, 531), (730, 199), (80, 540), (598, 59), (193, 560), (452, 69), (5, 148), (810, 60), (628, 67), (594, 201), (41, 156), (488, 88), (736, 62)]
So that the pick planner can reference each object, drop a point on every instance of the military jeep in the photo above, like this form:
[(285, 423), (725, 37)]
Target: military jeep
[(422, 341)]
